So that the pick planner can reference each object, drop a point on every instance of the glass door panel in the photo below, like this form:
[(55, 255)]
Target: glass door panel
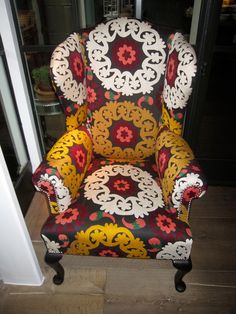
[(44, 22), (169, 14), (216, 143), (11, 139)]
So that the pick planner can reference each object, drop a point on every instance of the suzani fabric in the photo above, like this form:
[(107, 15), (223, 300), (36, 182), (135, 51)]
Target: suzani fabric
[(61, 173), (68, 72), (122, 130), (120, 212), (138, 52), (121, 180)]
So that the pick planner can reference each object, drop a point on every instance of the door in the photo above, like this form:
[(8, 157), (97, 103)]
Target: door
[(12, 141), (210, 123)]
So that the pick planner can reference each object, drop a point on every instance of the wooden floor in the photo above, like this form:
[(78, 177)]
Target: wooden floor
[(105, 285)]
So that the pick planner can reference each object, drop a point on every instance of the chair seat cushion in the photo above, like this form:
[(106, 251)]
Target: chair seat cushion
[(119, 212)]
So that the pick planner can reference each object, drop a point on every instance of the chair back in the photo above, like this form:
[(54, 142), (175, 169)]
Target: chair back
[(124, 79)]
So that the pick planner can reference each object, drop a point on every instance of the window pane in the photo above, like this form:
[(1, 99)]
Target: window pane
[(44, 22), (7, 146), (175, 15), (46, 104), (11, 139)]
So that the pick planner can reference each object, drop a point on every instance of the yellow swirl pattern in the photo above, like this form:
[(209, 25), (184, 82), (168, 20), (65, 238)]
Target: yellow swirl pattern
[(170, 122), (181, 155), (109, 235), (59, 158), (183, 213), (142, 119), (54, 207), (75, 120)]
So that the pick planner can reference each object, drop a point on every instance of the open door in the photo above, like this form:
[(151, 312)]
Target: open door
[(210, 126)]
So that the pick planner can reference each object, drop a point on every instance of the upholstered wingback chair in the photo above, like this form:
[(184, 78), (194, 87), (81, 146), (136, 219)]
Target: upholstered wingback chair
[(120, 181)]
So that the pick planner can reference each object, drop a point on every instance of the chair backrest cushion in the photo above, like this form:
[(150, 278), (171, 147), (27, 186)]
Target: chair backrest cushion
[(124, 79), (125, 75)]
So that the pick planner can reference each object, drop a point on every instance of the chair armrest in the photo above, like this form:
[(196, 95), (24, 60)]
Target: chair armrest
[(181, 177), (60, 174)]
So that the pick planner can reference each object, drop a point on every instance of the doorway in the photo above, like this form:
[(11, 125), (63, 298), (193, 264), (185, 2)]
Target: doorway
[(210, 124)]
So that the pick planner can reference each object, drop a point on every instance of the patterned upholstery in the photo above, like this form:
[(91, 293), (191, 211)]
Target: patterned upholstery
[(121, 180)]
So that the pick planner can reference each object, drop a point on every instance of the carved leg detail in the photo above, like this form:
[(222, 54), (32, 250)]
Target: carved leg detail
[(183, 266), (52, 259)]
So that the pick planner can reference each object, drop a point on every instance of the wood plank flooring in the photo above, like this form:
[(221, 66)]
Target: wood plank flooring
[(105, 285)]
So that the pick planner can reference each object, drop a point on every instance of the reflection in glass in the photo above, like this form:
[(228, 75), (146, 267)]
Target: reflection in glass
[(169, 14), (46, 104), (7, 146), (44, 22)]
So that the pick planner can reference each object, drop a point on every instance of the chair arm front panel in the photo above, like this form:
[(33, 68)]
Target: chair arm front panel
[(61, 173), (180, 175)]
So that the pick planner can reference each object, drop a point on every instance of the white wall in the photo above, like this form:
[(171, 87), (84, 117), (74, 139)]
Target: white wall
[(18, 262)]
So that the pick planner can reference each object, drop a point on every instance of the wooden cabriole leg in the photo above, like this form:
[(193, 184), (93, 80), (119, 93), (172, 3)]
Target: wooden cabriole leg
[(52, 259), (184, 267)]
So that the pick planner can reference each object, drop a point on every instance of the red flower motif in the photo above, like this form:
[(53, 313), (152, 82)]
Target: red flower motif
[(195, 168), (121, 185), (172, 68), (126, 54), (68, 109), (108, 253), (95, 95), (91, 95), (64, 239), (190, 193), (124, 134), (67, 217), (154, 241), (77, 66), (46, 186), (80, 158), (165, 224)]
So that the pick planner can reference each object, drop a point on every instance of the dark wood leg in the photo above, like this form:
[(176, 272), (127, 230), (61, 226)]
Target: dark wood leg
[(52, 259), (183, 266)]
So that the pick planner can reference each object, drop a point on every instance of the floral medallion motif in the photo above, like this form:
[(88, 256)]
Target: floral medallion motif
[(79, 155), (124, 134), (126, 55), (146, 73), (123, 190), (123, 130), (67, 66), (165, 224), (67, 216), (181, 68)]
